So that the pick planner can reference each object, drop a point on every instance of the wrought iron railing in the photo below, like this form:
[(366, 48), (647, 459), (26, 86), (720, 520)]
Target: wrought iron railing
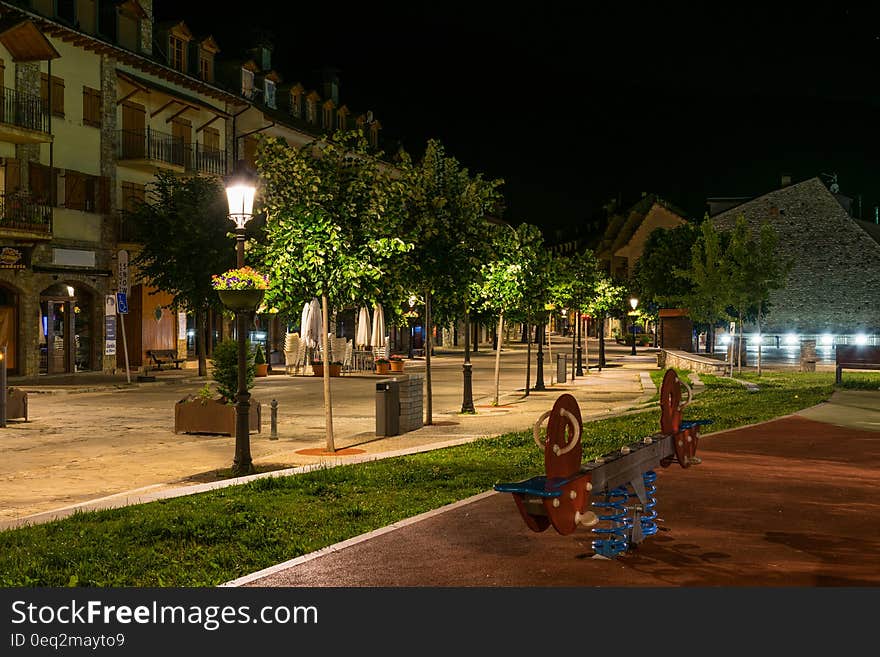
[(149, 144), (207, 160), (23, 110), (20, 211)]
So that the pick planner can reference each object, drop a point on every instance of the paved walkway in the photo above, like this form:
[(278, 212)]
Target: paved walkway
[(791, 502), (98, 443)]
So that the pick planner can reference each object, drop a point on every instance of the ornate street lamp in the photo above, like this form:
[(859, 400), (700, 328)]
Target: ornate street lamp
[(633, 302), (580, 366), (411, 316), (467, 404), (241, 188)]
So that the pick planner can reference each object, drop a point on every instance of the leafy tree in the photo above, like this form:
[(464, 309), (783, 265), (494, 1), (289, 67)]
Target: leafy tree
[(755, 270), (665, 251), (182, 226), (332, 226), (574, 284), (709, 277), (225, 369), (446, 208), (608, 300)]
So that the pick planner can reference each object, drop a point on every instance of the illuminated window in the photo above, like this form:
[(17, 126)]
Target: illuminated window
[(247, 83), (269, 91), (206, 66)]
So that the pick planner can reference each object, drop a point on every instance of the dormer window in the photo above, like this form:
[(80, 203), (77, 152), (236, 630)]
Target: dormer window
[(247, 83), (269, 91), (374, 134), (206, 66), (311, 111), (176, 53), (296, 105)]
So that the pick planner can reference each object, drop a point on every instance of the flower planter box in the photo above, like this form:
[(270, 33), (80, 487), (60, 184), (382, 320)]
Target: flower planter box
[(193, 415), (261, 370), (241, 300), (397, 366), (382, 368), (318, 369)]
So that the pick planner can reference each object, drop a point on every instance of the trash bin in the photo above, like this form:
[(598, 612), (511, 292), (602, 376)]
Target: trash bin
[(388, 408), (561, 368)]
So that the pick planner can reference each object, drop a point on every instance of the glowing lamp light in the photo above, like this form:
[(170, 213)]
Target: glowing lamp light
[(861, 339), (827, 339), (792, 339), (725, 339), (241, 203), (70, 290), (633, 302), (756, 338)]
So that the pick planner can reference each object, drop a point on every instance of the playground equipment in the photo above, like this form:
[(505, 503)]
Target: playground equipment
[(562, 496)]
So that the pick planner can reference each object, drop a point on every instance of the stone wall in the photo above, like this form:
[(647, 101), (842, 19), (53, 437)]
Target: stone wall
[(687, 361), (412, 394), (834, 284)]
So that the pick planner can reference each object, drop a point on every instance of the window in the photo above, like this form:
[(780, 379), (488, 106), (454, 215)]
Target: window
[(176, 53), (211, 139), (328, 118), (57, 93), (206, 66), (40, 181), (312, 111), (85, 192), (341, 123), (247, 83), (132, 194), (296, 105), (374, 135), (91, 107), (269, 91)]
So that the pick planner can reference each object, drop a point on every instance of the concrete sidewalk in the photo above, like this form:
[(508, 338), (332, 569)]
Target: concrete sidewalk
[(114, 447)]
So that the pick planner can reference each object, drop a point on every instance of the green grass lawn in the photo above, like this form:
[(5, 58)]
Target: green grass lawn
[(210, 538)]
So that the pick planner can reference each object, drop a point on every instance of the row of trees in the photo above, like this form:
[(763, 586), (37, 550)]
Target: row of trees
[(719, 276)]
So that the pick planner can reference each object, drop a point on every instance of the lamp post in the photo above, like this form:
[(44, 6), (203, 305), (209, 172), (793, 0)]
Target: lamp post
[(633, 302), (467, 404), (539, 373), (240, 191), (580, 366)]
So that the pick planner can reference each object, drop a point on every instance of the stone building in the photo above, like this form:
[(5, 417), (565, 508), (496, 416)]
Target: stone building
[(833, 291)]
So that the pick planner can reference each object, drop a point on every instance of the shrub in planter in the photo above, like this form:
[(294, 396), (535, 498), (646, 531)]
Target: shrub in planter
[(204, 413), (396, 362), (318, 368), (225, 369), (261, 367), (382, 365)]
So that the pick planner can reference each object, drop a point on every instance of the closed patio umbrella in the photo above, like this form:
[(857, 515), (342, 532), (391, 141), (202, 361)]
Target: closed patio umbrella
[(362, 339), (378, 339), (311, 328), (304, 320)]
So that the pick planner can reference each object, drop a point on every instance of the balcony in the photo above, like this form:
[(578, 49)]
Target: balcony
[(207, 160), (148, 149), (23, 119), (22, 215), (127, 229)]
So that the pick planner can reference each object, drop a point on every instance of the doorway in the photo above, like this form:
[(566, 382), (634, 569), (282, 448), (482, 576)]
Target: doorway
[(66, 332)]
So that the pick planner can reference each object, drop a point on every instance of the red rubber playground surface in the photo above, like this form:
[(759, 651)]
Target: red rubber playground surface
[(792, 502)]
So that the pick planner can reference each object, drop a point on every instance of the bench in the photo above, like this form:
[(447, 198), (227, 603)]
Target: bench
[(613, 495), (162, 357), (855, 357)]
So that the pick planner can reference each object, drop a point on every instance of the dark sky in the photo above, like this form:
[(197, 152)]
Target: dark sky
[(573, 105)]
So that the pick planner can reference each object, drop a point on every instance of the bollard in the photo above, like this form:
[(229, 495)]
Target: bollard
[(273, 421)]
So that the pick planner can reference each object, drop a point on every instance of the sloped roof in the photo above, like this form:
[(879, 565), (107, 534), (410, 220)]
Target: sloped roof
[(622, 228), (834, 284)]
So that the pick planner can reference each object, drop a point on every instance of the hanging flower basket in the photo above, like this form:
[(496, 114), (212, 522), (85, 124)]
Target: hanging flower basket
[(241, 289), (241, 300)]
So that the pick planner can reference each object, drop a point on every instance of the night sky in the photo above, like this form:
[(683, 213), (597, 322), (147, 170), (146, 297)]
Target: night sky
[(574, 105)]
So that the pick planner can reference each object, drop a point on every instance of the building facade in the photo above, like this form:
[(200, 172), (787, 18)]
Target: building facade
[(98, 96)]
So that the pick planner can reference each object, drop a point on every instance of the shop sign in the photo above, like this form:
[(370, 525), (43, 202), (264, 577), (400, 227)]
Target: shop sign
[(13, 258)]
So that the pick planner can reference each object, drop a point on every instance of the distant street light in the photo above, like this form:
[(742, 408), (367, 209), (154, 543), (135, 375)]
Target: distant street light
[(633, 302)]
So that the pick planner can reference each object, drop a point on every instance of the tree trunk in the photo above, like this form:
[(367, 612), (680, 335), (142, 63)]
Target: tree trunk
[(600, 329), (528, 354), (759, 342), (328, 404), (429, 417), (710, 338), (498, 356), (739, 346), (573, 351), (201, 341)]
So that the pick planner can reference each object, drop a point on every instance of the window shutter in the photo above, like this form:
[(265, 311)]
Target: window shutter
[(74, 190), (57, 96), (13, 175)]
